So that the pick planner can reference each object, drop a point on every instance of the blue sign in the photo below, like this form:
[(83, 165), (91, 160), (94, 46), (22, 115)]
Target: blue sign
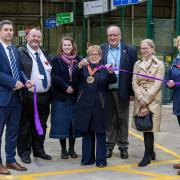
[(50, 22), (125, 2)]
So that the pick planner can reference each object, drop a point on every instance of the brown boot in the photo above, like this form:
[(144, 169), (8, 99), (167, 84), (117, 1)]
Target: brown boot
[(178, 172), (176, 166), (4, 171)]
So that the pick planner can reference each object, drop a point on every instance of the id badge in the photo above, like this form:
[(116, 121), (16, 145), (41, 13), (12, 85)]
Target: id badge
[(116, 72), (41, 76)]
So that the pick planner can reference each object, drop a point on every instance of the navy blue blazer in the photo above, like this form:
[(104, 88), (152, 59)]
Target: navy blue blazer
[(127, 61), (7, 82)]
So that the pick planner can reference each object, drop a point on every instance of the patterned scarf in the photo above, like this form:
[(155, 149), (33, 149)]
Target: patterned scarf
[(70, 61)]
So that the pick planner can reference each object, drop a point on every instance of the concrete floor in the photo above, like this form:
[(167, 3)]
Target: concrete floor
[(167, 148)]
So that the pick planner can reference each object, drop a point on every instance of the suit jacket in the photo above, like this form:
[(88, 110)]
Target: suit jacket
[(127, 61), (7, 82)]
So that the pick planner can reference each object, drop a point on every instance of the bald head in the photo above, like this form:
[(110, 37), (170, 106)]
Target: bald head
[(34, 38), (114, 35)]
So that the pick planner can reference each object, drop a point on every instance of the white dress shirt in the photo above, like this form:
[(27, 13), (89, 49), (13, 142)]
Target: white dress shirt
[(36, 77)]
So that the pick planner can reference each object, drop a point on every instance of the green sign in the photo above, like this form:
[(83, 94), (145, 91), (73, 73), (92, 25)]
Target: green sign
[(64, 18)]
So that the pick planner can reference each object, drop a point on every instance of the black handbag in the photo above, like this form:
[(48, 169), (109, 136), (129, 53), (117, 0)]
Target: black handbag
[(144, 123)]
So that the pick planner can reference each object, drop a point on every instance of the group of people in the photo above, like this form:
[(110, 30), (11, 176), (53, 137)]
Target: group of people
[(89, 96)]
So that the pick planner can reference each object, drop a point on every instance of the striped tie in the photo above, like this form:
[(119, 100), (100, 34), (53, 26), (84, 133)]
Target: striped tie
[(13, 64)]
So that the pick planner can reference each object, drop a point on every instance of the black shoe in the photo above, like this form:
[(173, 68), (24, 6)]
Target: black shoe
[(153, 155), (87, 164), (101, 165), (26, 160), (72, 154), (84, 164), (108, 153), (124, 154), (145, 161), (43, 156), (64, 154)]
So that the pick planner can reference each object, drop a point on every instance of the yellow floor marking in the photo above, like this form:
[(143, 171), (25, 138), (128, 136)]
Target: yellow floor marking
[(165, 178), (152, 163), (121, 168), (32, 176), (168, 151), (160, 176)]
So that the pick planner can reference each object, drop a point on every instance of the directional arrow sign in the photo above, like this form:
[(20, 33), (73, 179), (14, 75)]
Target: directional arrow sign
[(64, 18), (125, 2)]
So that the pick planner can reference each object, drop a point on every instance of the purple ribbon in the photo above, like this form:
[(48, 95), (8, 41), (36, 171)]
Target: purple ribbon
[(129, 72), (36, 115)]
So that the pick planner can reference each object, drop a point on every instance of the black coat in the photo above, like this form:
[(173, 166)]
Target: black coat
[(61, 80), (127, 61), (26, 62), (92, 100), (174, 74)]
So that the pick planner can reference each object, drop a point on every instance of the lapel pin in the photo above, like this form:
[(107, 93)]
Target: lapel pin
[(46, 62)]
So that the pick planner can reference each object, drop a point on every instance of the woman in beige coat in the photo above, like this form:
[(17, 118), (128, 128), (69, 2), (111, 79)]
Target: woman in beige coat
[(148, 94)]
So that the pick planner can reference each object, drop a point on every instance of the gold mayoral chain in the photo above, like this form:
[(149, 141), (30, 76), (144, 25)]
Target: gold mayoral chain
[(90, 79)]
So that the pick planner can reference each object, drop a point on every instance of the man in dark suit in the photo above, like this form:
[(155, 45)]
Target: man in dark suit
[(35, 64), (121, 56), (11, 81)]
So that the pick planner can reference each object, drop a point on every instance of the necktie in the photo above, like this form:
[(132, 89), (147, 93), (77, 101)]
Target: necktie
[(41, 70), (13, 64)]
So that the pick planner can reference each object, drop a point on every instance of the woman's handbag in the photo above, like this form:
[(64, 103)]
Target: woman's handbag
[(144, 123)]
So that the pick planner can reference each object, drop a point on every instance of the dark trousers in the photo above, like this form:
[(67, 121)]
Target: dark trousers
[(28, 137), (118, 122), (10, 116), (88, 148), (178, 117)]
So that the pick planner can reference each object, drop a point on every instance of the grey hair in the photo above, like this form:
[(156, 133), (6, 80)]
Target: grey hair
[(114, 26)]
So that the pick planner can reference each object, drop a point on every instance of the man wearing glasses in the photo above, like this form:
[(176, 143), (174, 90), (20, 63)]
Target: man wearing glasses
[(120, 56)]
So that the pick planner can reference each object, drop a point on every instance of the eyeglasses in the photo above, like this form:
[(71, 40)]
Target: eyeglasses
[(145, 48), (94, 54)]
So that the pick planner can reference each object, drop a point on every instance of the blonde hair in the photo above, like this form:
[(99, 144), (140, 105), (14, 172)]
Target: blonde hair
[(94, 48), (177, 40), (150, 42)]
